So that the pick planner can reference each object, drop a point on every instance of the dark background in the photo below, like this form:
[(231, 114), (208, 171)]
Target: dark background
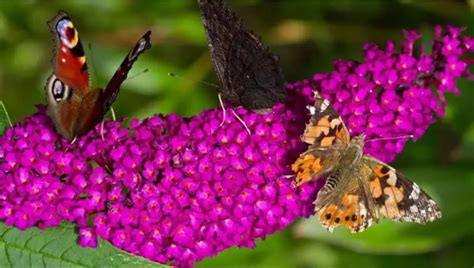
[(308, 36)]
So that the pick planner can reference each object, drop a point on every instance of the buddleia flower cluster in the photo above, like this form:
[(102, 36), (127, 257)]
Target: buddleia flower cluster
[(396, 93)]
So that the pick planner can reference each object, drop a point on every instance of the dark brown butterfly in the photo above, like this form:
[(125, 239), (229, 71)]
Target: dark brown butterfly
[(74, 107), (249, 74)]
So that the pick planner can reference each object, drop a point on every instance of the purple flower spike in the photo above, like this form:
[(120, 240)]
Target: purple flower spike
[(395, 93), (177, 190)]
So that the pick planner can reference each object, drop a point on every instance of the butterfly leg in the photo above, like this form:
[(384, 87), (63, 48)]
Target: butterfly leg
[(74, 140), (112, 111), (223, 109), (102, 130), (233, 112), (242, 122)]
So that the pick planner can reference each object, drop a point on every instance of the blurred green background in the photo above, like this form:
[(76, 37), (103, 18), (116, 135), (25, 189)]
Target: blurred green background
[(308, 36)]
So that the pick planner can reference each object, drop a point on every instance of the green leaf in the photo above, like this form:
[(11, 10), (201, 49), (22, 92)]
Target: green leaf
[(4, 119), (453, 193), (57, 247)]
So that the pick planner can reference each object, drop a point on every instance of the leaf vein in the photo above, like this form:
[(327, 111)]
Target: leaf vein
[(8, 256)]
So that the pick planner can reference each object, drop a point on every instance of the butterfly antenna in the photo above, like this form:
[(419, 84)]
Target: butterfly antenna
[(6, 113), (201, 82), (137, 74), (391, 138)]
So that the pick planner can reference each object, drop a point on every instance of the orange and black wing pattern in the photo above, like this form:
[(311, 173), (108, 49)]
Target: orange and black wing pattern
[(357, 199), (325, 126), (327, 136), (344, 201), (396, 197)]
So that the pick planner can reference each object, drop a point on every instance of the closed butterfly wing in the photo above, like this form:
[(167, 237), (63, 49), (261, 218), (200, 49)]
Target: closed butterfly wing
[(249, 73)]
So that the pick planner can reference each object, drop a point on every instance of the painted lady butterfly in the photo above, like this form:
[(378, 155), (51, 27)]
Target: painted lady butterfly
[(359, 188)]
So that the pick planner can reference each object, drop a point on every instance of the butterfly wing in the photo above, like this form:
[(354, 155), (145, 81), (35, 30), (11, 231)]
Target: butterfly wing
[(97, 102), (345, 200), (111, 90), (63, 106), (69, 59), (395, 196), (69, 83), (327, 136), (356, 198), (325, 126), (248, 72)]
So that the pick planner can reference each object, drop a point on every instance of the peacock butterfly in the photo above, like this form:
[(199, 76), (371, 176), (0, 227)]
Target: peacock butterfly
[(249, 74), (74, 107)]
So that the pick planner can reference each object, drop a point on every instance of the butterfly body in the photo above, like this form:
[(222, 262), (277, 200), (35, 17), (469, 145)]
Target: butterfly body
[(249, 74), (74, 107), (359, 189)]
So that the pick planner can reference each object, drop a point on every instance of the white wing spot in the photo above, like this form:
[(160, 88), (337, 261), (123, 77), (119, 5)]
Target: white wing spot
[(63, 60), (415, 192), (324, 105)]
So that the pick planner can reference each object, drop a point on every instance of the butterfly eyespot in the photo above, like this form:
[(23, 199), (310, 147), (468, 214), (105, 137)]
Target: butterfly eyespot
[(67, 33), (337, 220), (59, 90), (328, 216), (354, 217), (347, 218)]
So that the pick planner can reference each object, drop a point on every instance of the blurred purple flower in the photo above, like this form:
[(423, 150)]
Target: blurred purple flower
[(176, 190), (392, 94)]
